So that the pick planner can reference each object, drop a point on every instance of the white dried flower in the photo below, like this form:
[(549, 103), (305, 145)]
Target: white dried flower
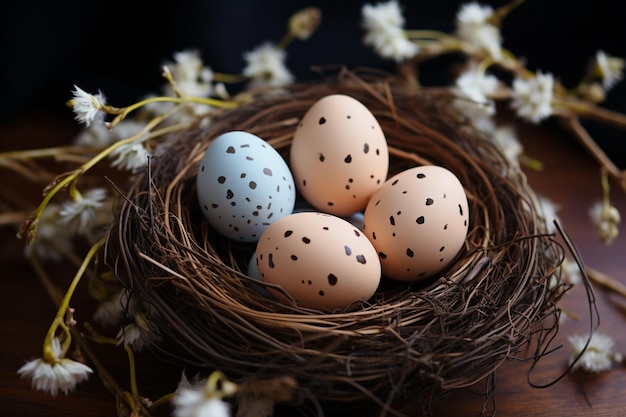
[(606, 219), (384, 24), (195, 402), (609, 68), (477, 86), (532, 98), (86, 106), (506, 139), (473, 89), (597, 356), (473, 26), (548, 211), (81, 214), (52, 239), (571, 272), (95, 136), (126, 129), (220, 91), (110, 312), (60, 376), (130, 157), (190, 75), (266, 67), (137, 334)]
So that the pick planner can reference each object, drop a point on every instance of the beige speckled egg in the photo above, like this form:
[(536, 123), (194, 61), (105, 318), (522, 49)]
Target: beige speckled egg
[(339, 155), (320, 260), (418, 222)]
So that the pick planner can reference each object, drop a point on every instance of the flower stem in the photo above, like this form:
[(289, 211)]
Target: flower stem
[(48, 353), (133, 373), (426, 34), (285, 41), (229, 78), (177, 100), (505, 10), (161, 400), (41, 153)]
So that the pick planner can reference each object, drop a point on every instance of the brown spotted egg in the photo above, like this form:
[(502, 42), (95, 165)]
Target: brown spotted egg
[(418, 222), (319, 260), (339, 155)]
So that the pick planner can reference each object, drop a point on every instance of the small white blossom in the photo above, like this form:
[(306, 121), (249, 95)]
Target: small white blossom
[(52, 239), (609, 68), (110, 312), (384, 24), (473, 26), (86, 106), (598, 355), (138, 334), (190, 75), (82, 213), (548, 212), (532, 98), (60, 376), (473, 89), (480, 120), (95, 136), (195, 402), (126, 129), (506, 139), (131, 157), (478, 86), (606, 219), (266, 66), (571, 272), (221, 91)]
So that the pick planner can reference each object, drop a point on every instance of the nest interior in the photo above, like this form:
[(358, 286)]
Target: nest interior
[(409, 339)]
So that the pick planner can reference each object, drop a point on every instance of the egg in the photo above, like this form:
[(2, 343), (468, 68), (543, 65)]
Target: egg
[(253, 272), (320, 260), (355, 219), (243, 185), (339, 155), (418, 222)]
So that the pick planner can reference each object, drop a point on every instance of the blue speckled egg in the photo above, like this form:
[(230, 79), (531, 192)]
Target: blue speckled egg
[(243, 185)]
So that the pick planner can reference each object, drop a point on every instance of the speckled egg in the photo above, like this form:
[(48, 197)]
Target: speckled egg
[(418, 222), (320, 260), (339, 155), (243, 185), (253, 272)]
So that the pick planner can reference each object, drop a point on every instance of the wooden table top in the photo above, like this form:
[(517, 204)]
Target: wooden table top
[(570, 179)]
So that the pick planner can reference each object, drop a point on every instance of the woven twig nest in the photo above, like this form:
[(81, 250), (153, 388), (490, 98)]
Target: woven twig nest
[(408, 341)]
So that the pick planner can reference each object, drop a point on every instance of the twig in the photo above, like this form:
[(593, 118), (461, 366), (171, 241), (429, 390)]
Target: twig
[(606, 281), (572, 123)]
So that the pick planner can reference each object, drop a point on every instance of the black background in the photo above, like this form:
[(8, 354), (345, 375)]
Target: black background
[(118, 47)]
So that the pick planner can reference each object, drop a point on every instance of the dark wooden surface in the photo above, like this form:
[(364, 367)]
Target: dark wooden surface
[(570, 179)]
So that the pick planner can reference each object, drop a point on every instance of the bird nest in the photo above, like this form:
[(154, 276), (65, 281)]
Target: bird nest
[(410, 340)]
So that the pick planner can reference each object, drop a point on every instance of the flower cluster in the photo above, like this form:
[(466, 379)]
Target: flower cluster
[(533, 96)]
